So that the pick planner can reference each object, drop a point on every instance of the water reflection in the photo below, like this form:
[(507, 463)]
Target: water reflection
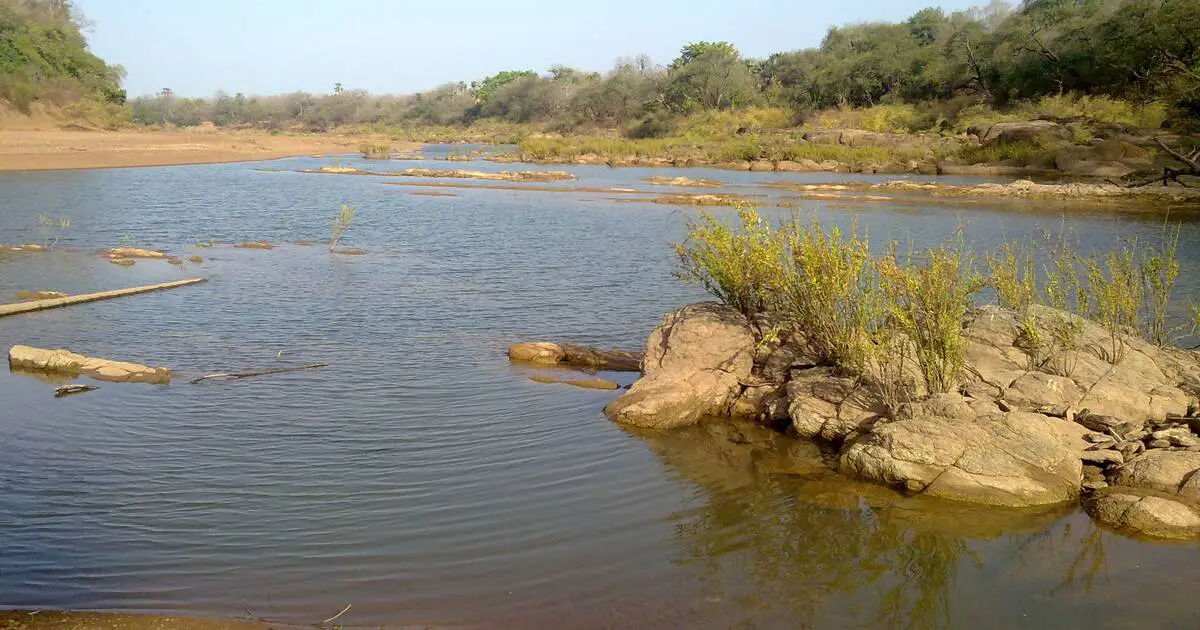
[(816, 550)]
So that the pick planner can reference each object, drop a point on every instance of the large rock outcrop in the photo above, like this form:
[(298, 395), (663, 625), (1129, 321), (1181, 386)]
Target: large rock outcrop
[(695, 364)]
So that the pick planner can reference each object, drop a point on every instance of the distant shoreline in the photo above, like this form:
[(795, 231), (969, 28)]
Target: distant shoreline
[(52, 149)]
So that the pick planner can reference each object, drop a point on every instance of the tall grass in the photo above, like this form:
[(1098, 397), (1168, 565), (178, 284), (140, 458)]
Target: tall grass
[(740, 267), (341, 223), (375, 151), (892, 319)]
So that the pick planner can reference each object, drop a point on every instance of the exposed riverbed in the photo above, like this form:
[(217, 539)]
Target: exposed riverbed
[(424, 479)]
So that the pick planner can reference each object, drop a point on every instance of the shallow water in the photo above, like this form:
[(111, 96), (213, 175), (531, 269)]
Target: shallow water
[(421, 477)]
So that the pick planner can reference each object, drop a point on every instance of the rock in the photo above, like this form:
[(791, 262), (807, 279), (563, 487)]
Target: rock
[(1101, 423), (941, 449), (1166, 471), (827, 407), (39, 295), (1099, 438), (1103, 457), (762, 165), (1092, 486), (349, 251), (196, 259), (1144, 513), (547, 353), (1158, 444), (1129, 450), (134, 252), (1171, 433), (124, 262), (66, 362), (1184, 441), (694, 365), (1084, 162), (762, 403), (788, 166), (537, 352), (586, 383), (255, 245), (1022, 131), (174, 261)]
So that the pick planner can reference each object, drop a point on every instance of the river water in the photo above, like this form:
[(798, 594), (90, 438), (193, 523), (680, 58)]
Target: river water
[(421, 478)]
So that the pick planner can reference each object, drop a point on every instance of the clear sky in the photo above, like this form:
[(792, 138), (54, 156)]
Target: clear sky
[(197, 47)]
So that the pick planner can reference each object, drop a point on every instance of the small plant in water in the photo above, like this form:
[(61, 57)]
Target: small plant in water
[(372, 151), (51, 229), (341, 223)]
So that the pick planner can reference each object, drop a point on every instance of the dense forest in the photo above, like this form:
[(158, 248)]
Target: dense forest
[(44, 57), (1142, 55)]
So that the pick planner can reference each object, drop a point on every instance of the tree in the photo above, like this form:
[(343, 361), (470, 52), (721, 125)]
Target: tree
[(709, 76)]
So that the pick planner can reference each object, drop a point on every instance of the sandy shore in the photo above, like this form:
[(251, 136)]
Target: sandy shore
[(41, 149)]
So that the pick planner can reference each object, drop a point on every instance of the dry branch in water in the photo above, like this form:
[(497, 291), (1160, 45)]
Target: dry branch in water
[(238, 375)]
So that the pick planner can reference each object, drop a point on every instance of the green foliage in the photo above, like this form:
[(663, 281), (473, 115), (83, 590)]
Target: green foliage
[(1116, 286), (341, 223), (1033, 152), (740, 267), (52, 229), (375, 151), (1159, 269), (828, 292), (928, 301), (43, 55)]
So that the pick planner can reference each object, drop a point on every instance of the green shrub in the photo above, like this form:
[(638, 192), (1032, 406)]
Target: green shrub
[(928, 302), (828, 290), (341, 223), (740, 267), (373, 151)]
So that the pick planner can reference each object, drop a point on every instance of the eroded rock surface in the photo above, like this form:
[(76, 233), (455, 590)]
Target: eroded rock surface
[(695, 364)]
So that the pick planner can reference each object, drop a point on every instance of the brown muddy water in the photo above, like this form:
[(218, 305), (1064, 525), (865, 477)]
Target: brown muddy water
[(421, 478)]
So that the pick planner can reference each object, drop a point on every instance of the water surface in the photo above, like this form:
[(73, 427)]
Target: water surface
[(422, 478)]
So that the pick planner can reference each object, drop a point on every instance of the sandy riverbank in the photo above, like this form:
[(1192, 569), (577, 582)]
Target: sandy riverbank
[(53, 149)]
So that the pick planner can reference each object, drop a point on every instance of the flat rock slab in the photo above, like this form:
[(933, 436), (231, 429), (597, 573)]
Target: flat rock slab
[(67, 362)]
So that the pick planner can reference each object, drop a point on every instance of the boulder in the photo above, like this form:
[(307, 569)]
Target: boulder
[(542, 352), (1155, 494), (942, 448), (1085, 162), (67, 362), (1022, 130), (788, 166), (762, 165), (1166, 471), (695, 364), (1145, 512), (828, 407)]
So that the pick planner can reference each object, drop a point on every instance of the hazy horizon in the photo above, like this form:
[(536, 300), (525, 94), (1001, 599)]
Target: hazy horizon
[(393, 47)]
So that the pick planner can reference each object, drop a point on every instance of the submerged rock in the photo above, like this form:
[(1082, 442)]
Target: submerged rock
[(67, 362), (255, 245), (39, 295), (547, 353), (134, 252), (585, 383), (695, 364)]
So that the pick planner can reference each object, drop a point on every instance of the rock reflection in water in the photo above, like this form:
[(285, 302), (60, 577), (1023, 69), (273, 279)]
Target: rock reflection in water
[(779, 533)]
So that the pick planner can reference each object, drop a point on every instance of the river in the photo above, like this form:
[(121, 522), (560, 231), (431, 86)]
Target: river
[(421, 478)]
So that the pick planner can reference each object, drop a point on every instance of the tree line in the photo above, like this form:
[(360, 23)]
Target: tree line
[(1141, 51)]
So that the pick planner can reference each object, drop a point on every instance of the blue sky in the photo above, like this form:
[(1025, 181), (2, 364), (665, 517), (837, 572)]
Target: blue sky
[(197, 47)]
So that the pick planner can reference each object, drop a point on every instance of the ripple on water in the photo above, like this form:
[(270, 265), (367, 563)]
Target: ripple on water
[(422, 478)]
